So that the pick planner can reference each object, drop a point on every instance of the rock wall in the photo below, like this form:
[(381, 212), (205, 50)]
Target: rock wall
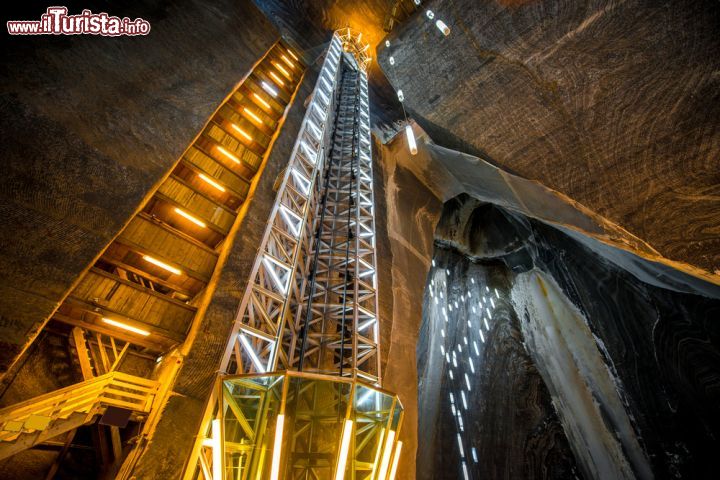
[(90, 124), (624, 370), (485, 411), (611, 103), (407, 211)]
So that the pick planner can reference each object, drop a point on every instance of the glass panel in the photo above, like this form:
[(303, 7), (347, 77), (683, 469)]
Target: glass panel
[(316, 409), (250, 409), (315, 415)]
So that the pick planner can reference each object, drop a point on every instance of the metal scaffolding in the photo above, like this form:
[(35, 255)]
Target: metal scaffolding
[(312, 301), (310, 310), (340, 334)]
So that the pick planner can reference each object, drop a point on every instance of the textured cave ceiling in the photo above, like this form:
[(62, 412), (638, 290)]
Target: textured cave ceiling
[(309, 24), (613, 104)]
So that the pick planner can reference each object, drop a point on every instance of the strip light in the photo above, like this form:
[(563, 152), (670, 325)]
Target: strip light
[(124, 326), (210, 181), (376, 457), (411, 139), (280, 284), (277, 446), (251, 352), (216, 449), (292, 54), (344, 447), (442, 27), (393, 469), (194, 220), (276, 79), (287, 60), (250, 114), (282, 70), (386, 454), (163, 265), (228, 154), (242, 132), (262, 101), (268, 88)]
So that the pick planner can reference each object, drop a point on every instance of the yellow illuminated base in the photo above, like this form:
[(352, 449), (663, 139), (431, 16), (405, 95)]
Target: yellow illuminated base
[(294, 425)]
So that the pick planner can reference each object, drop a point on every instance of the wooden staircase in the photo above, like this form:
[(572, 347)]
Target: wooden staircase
[(46, 416)]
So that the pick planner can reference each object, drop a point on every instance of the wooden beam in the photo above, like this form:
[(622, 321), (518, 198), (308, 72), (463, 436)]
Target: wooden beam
[(118, 358), (135, 286), (103, 354), (188, 164), (61, 455), (83, 354), (149, 276), (116, 444)]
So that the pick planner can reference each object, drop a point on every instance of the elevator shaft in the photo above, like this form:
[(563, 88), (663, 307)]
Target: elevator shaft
[(340, 311)]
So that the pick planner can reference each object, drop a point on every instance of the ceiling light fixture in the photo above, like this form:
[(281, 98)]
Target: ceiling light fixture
[(210, 181), (287, 60), (242, 132), (252, 115), (162, 265), (124, 326), (282, 70), (276, 79), (268, 89), (442, 27), (228, 154), (261, 101), (411, 139), (193, 219)]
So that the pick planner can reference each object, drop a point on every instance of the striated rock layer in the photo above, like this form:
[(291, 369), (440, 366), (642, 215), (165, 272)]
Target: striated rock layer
[(624, 373), (611, 103)]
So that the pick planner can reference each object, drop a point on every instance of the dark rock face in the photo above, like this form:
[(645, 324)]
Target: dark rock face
[(613, 104), (90, 124), (566, 325), (503, 417)]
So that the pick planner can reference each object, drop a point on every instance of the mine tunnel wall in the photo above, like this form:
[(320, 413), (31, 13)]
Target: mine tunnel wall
[(584, 370)]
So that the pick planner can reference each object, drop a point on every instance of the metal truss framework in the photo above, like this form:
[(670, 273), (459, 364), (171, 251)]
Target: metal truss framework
[(311, 303), (312, 297), (340, 335)]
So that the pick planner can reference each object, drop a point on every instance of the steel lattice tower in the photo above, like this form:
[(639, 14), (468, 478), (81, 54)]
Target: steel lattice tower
[(305, 342)]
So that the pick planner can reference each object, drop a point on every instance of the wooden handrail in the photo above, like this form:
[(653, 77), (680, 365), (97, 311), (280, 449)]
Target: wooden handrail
[(54, 393), (112, 389)]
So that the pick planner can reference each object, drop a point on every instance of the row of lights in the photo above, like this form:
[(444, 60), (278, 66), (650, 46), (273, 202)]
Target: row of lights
[(253, 117), (486, 303), (442, 26), (213, 182), (270, 90)]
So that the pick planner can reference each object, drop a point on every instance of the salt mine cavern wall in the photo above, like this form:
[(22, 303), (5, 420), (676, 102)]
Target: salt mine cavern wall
[(95, 122), (614, 104), (574, 366)]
